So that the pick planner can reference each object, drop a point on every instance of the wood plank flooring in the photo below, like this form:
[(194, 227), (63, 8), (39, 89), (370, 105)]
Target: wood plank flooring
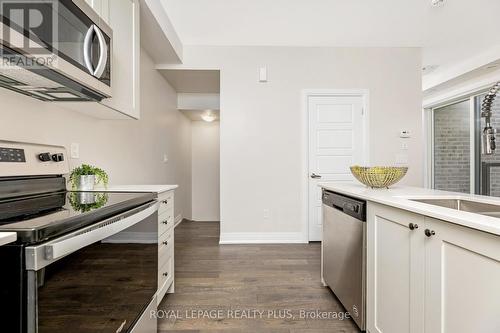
[(268, 284)]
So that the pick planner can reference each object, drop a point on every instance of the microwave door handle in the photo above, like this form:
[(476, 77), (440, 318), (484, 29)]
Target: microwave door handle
[(103, 53), (87, 46)]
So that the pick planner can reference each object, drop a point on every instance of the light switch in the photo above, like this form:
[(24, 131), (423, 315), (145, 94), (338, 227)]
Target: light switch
[(263, 74), (75, 150), (165, 158)]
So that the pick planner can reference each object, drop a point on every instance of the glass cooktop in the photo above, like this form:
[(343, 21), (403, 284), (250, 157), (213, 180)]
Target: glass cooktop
[(43, 217)]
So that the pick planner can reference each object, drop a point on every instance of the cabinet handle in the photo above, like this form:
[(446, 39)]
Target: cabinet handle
[(413, 226), (165, 202), (165, 274), (429, 233), (165, 242), (166, 221)]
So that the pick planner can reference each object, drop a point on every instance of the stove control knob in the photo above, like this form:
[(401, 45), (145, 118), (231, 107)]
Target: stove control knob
[(44, 157), (58, 157)]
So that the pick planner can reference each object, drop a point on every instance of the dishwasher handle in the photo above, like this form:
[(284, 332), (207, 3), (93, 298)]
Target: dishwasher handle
[(350, 206)]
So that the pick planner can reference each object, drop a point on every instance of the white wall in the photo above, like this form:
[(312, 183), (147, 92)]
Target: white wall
[(130, 151), (205, 171), (261, 124)]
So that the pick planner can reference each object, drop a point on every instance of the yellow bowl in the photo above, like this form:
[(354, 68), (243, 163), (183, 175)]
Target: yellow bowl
[(378, 177)]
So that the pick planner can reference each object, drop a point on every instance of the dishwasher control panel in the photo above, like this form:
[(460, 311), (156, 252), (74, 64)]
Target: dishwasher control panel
[(350, 206)]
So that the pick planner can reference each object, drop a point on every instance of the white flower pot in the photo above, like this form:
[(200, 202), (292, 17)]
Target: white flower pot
[(86, 183)]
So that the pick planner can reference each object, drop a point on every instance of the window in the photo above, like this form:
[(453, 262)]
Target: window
[(457, 163)]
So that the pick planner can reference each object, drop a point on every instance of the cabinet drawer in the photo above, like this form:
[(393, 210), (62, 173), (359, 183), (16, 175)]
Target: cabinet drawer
[(166, 272), (162, 291), (165, 240), (165, 222), (166, 203), (165, 251)]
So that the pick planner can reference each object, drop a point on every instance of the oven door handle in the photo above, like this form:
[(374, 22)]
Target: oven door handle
[(95, 233)]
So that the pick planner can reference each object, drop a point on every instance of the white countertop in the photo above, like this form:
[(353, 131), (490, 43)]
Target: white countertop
[(398, 196), (137, 188), (7, 237)]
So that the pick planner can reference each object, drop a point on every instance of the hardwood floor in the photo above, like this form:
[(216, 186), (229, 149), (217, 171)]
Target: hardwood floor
[(269, 284)]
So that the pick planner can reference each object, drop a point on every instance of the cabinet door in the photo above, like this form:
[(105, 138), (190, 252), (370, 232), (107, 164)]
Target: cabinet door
[(125, 63), (101, 7), (395, 270), (462, 286)]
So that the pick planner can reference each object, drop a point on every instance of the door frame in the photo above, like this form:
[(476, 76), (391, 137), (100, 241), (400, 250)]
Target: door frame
[(305, 94)]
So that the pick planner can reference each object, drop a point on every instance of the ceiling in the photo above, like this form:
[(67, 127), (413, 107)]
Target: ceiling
[(449, 33), (193, 81)]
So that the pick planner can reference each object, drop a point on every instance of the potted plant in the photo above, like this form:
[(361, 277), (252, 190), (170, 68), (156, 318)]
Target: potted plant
[(84, 177), (85, 202)]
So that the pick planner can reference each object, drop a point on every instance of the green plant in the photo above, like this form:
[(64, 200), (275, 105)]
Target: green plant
[(89, 202), (88, 170)]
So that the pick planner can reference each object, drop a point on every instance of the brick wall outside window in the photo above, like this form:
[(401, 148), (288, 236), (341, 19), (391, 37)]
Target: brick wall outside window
[(452, 148)]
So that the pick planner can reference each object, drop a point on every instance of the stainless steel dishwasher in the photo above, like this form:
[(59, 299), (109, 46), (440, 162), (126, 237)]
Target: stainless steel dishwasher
[(344, 252)]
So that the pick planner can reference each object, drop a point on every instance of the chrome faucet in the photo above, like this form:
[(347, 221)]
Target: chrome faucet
[(488, 142)]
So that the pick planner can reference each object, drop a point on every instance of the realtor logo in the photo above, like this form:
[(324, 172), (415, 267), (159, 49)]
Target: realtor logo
[(29, 27)]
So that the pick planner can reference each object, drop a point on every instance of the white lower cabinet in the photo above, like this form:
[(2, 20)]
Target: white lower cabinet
[(462, 279), (395, 270), (427, 275), (166, 269)]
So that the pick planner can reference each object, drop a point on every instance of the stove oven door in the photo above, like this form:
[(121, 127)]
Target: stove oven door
[(99, 279)]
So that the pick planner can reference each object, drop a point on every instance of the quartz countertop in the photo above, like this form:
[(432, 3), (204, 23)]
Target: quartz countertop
[(137, 188), (7, 237), (398, 196)]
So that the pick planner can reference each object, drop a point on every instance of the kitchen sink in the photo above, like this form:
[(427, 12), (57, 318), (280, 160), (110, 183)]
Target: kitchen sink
[(465, 205)]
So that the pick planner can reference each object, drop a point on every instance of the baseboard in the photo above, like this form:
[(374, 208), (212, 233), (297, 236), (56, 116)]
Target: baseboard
[(133, 237), (178, 220), (261, 238), (206, 221)]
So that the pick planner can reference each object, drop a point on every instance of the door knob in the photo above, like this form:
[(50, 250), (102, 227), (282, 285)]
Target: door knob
[(315, 176), (429, 233), (413, 226)]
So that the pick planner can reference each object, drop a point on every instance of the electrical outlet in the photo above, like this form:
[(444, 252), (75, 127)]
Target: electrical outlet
[(75, 150), (266, 214)]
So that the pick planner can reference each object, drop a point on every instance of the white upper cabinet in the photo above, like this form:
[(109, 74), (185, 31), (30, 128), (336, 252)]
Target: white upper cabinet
[(101, 7), (123, 17), (125, 65)]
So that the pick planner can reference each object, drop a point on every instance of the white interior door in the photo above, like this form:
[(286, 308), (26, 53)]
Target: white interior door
[(336, 141)]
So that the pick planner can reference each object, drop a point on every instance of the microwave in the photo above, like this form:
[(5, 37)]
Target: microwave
[(55, 50)]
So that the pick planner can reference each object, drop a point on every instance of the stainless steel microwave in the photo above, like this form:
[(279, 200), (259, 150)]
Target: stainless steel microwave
[(55, 50)]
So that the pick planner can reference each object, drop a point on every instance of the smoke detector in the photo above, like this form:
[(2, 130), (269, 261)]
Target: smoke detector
[(437, 3)]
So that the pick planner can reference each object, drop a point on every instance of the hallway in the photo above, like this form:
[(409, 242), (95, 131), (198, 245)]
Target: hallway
[(247, 288)]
